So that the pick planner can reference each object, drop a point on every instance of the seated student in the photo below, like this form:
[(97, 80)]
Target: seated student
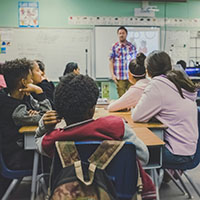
[(75, 100), (137, 74), (2, 81), (71, 67), (170, 98), (182, 63), (18, 108), (39, 79)]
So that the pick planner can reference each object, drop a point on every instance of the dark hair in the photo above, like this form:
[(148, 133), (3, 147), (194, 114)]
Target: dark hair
[(122, 28), (41, 65), (70, 67), (137, 68), (14, 71), (1, 70), (181, 81), (75, 95), (157, 63), (182, 63)]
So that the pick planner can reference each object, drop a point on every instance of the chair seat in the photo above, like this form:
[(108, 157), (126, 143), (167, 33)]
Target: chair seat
[(13, 174)]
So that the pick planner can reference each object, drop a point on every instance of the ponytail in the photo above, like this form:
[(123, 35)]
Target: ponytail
[(180, 80)]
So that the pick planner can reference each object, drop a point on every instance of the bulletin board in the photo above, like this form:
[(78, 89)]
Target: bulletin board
[(55, 47), (106, 36), (177, 45)]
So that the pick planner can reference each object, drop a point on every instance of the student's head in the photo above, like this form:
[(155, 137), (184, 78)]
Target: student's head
[(137, 69), (41, 66), (71, 67), (158, 63), (75, 98), (122, 33), (36, 73), (17, 73), (182, 63)]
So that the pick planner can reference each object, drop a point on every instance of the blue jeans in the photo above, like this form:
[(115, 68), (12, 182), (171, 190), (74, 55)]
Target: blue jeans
[(171, 159)]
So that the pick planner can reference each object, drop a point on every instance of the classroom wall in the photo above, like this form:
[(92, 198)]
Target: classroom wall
[(55, 13)]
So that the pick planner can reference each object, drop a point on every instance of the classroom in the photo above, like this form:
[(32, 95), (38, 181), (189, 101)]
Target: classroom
[(83, 33)]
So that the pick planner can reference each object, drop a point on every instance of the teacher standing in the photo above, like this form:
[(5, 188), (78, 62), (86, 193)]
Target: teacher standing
[(122, 53)]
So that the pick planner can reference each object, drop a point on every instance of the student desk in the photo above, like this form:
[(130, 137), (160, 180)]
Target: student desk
[(142, 130)]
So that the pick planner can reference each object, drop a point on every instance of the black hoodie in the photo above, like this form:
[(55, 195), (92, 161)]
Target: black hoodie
[(13, 115)]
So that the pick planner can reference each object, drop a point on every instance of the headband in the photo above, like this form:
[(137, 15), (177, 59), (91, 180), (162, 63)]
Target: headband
[(138, 76)]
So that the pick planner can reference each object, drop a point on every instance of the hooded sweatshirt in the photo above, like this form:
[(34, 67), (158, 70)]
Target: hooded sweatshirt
[(131, 97), (104, 128), (162, 100), (13, 115)]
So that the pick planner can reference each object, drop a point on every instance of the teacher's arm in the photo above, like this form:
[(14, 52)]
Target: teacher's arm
[(111, 64)]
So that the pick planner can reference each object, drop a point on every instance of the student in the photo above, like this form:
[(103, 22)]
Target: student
[(2, 81), (137, 74), (75, 100), (170, 98), (182, 63), (71, 67), (39, 78), (18, 109)]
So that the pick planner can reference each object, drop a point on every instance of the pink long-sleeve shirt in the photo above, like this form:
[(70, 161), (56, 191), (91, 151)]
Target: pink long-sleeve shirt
[(162, 100), (131, 97), (2, 82)]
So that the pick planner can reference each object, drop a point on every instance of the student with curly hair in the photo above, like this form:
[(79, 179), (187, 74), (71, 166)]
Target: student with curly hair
[(18, 108), (75, 100), (137, 76), (170, 98)]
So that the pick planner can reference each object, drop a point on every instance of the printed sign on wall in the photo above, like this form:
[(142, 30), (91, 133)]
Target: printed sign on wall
[(28, 13)]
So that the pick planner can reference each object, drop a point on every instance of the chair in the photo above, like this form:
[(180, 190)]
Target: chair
[(122, 170), (16, 175), (187, 166)]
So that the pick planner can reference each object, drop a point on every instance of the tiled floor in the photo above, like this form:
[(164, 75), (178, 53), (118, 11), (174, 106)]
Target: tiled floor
[(167, 191)]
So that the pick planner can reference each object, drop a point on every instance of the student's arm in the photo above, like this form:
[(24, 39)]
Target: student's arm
[(24, 117), (141, 149), (149, 104), (41, 103), (127, 100), (46, 124)]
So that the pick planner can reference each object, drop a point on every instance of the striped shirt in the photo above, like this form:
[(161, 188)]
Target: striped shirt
[(122, 54)]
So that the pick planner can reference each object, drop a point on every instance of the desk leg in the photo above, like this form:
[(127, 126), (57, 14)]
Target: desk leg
[(34, 175), (154, 175)]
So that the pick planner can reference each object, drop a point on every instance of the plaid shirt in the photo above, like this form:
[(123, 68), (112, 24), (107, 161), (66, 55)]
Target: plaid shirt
[(122, 54)]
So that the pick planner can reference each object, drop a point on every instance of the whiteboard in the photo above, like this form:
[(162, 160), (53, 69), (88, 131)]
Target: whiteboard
[(54, 47), (105, 37)]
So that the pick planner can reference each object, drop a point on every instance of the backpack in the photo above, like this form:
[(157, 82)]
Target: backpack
[(78, 180)]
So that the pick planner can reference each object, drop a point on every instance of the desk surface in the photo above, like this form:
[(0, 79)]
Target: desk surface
[(141, 129), (101, 112), (148, 137)]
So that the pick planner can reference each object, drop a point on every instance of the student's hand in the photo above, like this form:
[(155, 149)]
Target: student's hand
[(31, 88), (50, 119), (33, 112)]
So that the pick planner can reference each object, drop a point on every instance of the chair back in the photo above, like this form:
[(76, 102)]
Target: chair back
[(122, 170)]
